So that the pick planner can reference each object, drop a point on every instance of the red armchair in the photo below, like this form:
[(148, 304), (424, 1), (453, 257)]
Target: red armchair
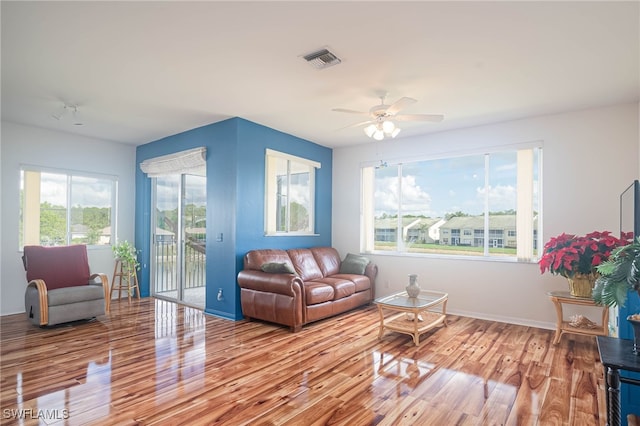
[(61, 288)]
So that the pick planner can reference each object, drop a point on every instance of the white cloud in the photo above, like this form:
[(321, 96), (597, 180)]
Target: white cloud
[(53, 189), (85, 191), (414, 199), (501, 197)]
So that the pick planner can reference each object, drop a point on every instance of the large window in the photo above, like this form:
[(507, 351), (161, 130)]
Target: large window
[(290, 194), (482, 205), (62, 208)]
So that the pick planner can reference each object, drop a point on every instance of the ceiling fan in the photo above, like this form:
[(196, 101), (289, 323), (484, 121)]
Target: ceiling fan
[(382, 117)]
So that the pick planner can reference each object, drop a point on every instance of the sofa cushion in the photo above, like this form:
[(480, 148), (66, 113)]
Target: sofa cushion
[(341, 287), (317, 292), (354, 264), (305, 264), (361, 282), (327, 259), (43, 263), (277, 268)]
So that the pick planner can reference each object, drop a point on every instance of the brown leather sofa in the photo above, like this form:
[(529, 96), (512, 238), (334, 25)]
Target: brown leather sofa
[(319, 285)]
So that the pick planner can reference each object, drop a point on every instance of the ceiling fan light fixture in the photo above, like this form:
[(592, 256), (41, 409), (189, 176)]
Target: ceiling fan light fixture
[(370, 130), (382, 118), (388, 127), (381, 129)]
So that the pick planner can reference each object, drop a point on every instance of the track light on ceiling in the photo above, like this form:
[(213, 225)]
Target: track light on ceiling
[(68, 109)]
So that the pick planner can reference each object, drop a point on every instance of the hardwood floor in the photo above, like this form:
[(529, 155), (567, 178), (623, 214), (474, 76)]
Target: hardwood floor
[(155, 362)]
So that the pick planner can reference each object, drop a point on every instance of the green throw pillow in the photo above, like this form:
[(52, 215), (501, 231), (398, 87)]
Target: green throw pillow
[(354, 264), (277, 268)]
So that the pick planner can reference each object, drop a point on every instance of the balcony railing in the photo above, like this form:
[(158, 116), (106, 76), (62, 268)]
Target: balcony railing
[(166, 271)]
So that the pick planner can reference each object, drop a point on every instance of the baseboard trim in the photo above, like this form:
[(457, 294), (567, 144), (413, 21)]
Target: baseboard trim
[(508, 320)]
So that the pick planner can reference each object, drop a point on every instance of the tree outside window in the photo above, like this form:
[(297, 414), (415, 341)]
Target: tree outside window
[(62, 208)]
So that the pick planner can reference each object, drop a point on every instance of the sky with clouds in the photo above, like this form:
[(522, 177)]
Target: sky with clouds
[(167, 191), (434, 188), (86, 191)]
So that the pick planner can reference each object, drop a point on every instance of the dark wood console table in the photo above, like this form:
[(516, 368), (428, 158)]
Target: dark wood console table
[(616, 355)]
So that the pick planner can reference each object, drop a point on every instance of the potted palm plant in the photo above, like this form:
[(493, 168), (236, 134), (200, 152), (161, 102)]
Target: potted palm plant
[(619, 275)]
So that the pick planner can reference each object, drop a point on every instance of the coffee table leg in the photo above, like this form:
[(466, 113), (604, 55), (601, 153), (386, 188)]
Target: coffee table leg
[(416, 335), (444, 312), (381, 332)]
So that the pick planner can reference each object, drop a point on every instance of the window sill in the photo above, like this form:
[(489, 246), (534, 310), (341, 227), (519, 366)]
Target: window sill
[(291, 234), (501, 259)]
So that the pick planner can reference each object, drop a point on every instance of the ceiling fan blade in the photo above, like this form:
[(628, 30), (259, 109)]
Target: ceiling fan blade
[(362, 123), (399, 105), (436, 118), (350, 111)]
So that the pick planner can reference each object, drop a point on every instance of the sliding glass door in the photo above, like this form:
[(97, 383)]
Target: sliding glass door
[(178, 261)]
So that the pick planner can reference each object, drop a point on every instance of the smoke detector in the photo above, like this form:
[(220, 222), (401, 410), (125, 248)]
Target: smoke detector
[(322, 59)]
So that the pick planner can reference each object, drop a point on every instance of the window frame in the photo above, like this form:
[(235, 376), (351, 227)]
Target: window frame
[(368, 219), (68, 174), (271, 193)]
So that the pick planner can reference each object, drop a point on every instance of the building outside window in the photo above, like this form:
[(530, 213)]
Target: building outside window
[(481, 205)]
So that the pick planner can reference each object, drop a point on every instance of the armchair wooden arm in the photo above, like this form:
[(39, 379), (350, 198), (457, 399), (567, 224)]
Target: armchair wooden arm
[(105, 286), (41, 287)]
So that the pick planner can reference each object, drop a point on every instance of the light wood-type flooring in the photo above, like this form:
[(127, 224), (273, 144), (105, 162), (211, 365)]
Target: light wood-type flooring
[(158, 363)]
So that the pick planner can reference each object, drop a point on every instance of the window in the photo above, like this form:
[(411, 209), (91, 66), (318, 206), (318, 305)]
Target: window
[(62, 208), (483, 205), (290, 194)]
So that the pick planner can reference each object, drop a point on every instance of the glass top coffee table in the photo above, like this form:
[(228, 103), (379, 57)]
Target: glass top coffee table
[(412, 315)]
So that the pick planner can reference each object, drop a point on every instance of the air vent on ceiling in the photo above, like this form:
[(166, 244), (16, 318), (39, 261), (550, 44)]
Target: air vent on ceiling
[(322, 59)]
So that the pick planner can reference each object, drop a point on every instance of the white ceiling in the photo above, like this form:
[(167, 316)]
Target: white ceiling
[(140, 71)]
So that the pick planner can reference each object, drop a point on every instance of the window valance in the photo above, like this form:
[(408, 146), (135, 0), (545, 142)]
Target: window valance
[(192, 161)]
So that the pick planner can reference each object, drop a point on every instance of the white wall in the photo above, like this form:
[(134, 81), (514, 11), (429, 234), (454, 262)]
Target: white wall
[(589, 158), (35, 146)]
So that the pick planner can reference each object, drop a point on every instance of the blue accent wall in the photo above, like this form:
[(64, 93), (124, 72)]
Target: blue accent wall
[(235, 201)]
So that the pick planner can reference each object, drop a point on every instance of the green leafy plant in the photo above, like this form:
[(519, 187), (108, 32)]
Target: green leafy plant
[(127, 254), (618, 275)]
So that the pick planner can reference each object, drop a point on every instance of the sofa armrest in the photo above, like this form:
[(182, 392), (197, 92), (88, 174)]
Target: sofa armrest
[(371, 271), (101, 279), (287, 284)]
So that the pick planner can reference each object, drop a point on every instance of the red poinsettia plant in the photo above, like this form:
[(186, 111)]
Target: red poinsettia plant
[(568, 254)]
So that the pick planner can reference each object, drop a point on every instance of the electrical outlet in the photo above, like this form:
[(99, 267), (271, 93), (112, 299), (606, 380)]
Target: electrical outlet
[(220, 296)]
